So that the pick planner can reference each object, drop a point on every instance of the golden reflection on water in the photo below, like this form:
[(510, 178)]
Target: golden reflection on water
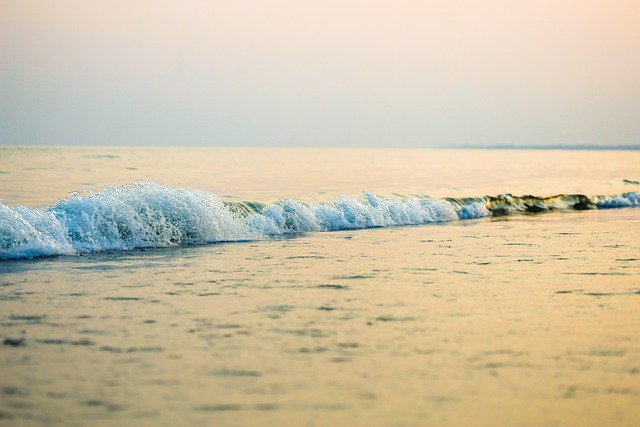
[(38, 177), (529, 320)]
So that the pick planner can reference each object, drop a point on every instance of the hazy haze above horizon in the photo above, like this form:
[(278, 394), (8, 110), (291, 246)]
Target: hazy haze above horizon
[(333, 73)]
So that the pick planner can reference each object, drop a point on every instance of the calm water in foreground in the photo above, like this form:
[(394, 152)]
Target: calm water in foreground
[(526, 319)]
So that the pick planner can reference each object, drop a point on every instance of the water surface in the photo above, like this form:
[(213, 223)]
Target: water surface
[(520, 319)]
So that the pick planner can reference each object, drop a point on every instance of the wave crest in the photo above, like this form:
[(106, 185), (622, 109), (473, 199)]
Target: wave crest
[(146, 214)]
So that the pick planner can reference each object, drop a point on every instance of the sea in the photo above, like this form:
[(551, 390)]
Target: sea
[(319, 287)]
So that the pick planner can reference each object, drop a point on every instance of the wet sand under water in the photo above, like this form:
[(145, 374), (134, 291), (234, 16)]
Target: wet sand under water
[(520, 321)]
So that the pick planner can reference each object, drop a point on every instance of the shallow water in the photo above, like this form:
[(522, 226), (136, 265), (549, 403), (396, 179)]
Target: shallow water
[(514, 320)]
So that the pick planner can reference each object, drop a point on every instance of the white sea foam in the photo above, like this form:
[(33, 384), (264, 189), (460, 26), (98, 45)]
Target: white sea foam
[(626, 200), (146, 214), (27, 233)]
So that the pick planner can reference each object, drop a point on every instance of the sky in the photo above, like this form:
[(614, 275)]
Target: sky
[(320, 73)]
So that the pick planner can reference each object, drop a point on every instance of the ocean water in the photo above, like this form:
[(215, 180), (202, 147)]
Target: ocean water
[(172, 286)]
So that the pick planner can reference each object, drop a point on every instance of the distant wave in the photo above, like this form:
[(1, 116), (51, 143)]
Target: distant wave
[(149, 215)]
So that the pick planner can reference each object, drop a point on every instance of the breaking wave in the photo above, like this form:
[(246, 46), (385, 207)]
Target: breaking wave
[(148, 215)]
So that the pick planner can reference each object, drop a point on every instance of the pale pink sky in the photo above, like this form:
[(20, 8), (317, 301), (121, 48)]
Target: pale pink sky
[(330, 73)]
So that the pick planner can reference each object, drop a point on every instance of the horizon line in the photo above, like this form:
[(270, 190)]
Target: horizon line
[(583, 147)]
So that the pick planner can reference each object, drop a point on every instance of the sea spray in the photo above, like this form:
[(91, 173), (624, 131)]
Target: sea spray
[(146, 214), (29, 233)]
